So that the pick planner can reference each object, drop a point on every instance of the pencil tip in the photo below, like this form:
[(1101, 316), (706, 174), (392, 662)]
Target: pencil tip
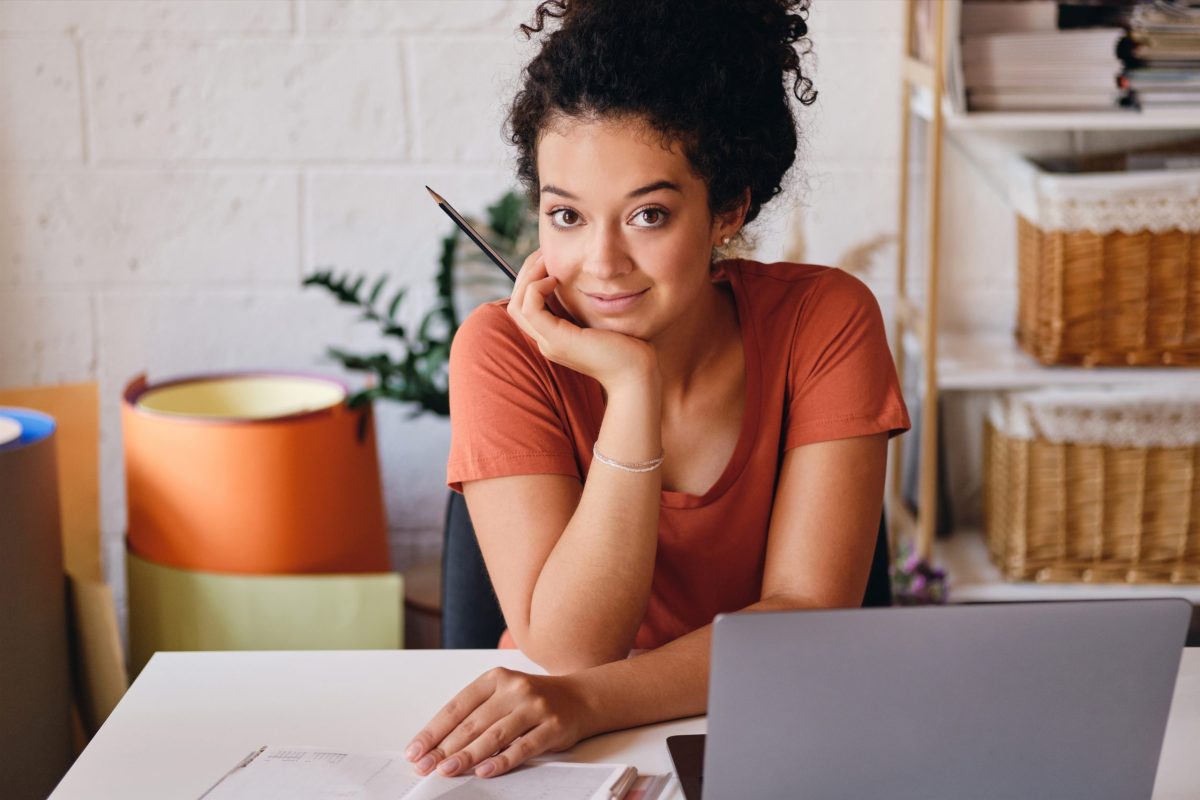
[(436, 197)]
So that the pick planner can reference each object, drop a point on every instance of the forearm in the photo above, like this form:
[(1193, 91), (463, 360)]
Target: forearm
[(669, 682), (591, 594)]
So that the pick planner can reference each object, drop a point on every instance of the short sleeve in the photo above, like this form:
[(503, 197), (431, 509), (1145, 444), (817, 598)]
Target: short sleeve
[(506, 417), (842, 379)]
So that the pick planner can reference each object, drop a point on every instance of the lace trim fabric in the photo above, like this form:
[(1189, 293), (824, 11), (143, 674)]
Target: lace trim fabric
[(1105, 203), (1127, 215), (1116, 418)]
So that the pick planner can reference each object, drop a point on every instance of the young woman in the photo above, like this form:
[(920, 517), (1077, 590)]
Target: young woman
[(647, 435)]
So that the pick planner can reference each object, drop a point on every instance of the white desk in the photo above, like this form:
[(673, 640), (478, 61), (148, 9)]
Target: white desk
[(189, 717)]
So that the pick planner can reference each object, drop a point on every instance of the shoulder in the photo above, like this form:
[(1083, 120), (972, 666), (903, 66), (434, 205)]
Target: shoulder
[(800, 293), (490, 340), (489, 326), (489, 319)]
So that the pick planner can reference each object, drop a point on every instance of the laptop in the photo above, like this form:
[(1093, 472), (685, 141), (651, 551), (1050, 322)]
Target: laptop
[(1032, 700)]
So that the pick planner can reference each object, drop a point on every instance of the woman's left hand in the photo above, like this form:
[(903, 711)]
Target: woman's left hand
[(502, 719)]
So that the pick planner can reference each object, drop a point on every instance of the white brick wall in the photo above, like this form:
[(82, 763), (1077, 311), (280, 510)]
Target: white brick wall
[(169, 169)]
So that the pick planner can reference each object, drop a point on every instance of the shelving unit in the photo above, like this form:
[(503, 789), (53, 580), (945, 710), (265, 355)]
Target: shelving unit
[(990, 362), (982, 361), (974, 579), (911, 320), (1155, 119)]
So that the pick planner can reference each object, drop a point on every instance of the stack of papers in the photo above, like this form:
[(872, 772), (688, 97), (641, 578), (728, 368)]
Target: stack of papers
[(1015, 58), (1164, 56)]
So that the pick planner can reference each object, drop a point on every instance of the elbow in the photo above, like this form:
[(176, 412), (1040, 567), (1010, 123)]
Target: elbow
[(564, 663), (562, 658)]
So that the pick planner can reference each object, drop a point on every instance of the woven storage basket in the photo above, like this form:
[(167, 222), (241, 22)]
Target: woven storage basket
[(1094, 487), (1109, 263)]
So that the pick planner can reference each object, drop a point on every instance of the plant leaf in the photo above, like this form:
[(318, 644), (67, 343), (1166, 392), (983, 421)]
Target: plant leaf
[(395, 304), (440, 312), (376, 289)]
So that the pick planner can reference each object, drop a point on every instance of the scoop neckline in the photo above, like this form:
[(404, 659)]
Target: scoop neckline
[(731, 272)]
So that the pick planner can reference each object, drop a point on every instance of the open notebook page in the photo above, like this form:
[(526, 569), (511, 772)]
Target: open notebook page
[(307, 773)]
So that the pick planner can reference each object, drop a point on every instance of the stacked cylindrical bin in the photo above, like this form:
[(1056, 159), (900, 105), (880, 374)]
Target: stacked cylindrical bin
[(35, 679), (255, 517)]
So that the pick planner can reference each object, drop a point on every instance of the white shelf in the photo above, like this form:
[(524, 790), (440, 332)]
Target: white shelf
[(992, 361), (973, 579), (1117, 119)]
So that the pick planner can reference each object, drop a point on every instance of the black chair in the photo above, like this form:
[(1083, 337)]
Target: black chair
[(471, 617)]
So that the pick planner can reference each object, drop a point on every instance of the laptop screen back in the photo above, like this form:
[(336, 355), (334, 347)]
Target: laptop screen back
[(1062, 700)]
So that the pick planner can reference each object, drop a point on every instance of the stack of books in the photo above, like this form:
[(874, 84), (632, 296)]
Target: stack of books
[(1163, 55), (1015, 57)]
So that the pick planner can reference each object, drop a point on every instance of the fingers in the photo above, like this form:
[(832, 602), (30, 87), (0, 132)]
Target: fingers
[(533, 743), (533, 268), (522, 716), (488, 720), (446, 720), (500, 736), (534, 302), (527, 305)]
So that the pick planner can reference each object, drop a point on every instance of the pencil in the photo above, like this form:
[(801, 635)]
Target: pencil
[(474, 236), (554, 305)]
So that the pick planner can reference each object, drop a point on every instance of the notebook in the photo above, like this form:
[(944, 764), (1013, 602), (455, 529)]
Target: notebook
[(310, 773)]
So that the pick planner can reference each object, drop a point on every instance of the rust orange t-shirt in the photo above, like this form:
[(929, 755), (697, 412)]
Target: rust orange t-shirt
[(817, 367)]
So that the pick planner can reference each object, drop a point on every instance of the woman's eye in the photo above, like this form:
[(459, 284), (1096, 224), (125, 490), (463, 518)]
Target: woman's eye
[(563, 217), (644, 218), (652, 217)]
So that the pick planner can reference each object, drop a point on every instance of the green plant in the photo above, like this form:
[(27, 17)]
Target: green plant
[(415, 369)]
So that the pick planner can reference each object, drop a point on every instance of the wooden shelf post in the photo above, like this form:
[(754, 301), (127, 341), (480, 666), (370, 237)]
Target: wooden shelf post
[(923, 323)]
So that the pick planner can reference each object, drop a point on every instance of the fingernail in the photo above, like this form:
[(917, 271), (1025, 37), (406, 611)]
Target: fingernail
[(485, 769), (413, 751), (426, 763), (449, 766)]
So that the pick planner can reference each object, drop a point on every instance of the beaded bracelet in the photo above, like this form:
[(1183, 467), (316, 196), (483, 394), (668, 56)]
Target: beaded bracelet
[(642, 466)]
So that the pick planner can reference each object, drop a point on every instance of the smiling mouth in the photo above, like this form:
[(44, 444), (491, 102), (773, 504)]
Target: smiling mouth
[(609, 297)]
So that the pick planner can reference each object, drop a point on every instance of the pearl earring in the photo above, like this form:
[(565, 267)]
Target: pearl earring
[(725, 240)]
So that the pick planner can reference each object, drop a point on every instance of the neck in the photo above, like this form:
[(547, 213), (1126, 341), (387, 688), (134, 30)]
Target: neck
[(697, 342)]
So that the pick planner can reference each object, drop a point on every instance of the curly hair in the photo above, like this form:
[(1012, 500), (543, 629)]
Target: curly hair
[(711, 75)]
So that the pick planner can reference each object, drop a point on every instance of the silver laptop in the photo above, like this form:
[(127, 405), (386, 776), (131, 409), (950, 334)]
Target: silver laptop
[(1033, 700)]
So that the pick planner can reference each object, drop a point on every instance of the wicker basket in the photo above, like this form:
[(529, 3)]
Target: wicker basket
[(1084, 487), (1108, 263)]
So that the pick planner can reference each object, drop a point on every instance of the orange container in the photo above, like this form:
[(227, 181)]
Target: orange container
[(262, 473)]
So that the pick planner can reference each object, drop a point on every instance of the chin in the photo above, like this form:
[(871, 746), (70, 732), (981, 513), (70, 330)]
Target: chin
[(628, 326)]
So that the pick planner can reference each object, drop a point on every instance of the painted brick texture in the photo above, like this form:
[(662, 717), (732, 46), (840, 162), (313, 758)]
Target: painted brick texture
[(169, 170)]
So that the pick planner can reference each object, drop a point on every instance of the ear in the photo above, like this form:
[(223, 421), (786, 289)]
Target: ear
[(730, 222)]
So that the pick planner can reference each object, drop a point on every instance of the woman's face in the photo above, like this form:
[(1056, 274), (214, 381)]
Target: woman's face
[(624, 225)]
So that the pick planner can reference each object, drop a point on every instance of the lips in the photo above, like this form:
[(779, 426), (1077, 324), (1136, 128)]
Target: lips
[(618, 296), (615, 302)]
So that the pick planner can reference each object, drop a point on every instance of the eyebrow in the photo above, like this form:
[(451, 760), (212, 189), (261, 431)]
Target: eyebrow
[(647, 189)]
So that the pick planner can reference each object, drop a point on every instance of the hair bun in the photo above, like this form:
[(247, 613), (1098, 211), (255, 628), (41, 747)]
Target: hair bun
[(714, 75)]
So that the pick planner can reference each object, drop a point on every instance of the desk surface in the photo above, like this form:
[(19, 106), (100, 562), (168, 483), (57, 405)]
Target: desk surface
[(190, 716)]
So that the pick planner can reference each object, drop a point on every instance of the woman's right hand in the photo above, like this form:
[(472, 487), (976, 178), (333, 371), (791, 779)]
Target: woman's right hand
[(614, 359)]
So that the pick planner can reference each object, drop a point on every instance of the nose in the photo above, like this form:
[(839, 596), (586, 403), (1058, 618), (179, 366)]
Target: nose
[(607, 257)]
